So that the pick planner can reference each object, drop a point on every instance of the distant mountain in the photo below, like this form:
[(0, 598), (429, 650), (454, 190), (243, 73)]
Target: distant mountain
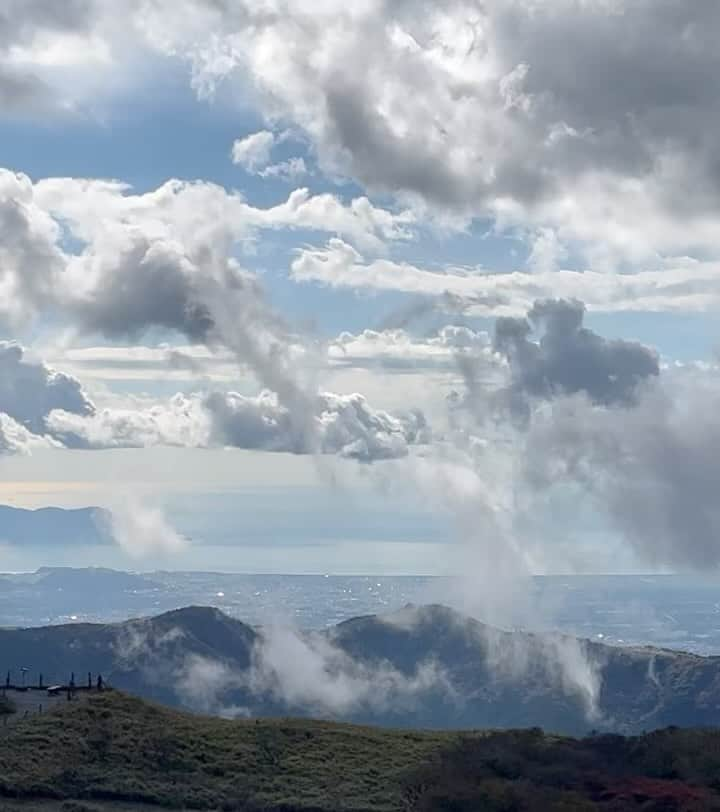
[(421, 667), (90, 579), (53, 525)]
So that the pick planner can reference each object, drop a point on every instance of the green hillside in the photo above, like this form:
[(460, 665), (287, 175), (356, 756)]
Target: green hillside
[(113, 750)]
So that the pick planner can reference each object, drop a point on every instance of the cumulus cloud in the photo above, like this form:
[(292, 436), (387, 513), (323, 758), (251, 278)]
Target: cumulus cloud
[(16, 439), (466, 107), (179, 421), (165, 260), (153, 261), (568, 357), (31, 261), (341, 424), (495, 109), (253, 151), (29, 390)]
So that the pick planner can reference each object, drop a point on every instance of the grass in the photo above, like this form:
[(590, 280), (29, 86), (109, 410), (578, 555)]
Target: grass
[(115, 747), (117, 752)]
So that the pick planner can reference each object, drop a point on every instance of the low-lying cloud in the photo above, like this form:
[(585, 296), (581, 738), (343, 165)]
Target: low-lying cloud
[(650, 469), (141, 529)]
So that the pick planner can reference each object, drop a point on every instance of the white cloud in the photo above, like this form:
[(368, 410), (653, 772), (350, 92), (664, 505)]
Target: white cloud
[(290, 170), (142, 530), (392, 349), (396, 349), (180, 421), (16, 439), (253, 151), (307, 672), (310, 672), (202, 216), (682, 285)]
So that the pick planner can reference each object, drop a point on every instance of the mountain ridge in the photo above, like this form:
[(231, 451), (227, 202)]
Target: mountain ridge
[(423, 667)]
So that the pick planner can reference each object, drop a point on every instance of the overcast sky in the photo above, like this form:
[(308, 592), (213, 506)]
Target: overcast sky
[(370, 287)]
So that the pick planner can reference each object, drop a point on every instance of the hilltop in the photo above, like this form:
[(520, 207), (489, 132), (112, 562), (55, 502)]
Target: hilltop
[(114, 748), (423, 667)]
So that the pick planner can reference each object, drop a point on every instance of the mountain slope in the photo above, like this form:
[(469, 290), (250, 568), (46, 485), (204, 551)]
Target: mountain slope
[(427, 667), (113, 748), (141, 655)]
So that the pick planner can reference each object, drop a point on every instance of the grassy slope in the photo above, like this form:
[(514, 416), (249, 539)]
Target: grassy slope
[(115, 748)]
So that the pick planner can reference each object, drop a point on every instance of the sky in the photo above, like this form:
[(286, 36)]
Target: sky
[(387, 287)]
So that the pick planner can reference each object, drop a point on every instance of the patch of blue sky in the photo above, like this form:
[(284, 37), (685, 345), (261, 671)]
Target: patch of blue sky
[(676, 336)]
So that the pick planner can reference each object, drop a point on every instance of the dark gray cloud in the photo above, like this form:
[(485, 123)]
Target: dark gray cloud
[(343, 424), (150, 284), (29, 390), (633, 79), (569, 358), (30, 260)]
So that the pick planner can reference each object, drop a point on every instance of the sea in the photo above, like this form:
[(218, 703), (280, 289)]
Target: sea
[(670, 611)]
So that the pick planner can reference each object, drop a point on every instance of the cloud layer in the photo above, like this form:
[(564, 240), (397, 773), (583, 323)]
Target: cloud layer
[(342, 424), (563, 116), (586, 125), (684, 285)]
